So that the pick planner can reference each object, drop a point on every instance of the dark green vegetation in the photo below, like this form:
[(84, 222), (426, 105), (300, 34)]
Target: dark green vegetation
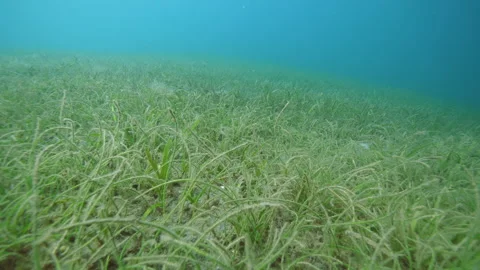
[(136, 164)]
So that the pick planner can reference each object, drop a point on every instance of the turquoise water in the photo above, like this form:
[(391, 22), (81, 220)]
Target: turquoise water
[(428, 46)]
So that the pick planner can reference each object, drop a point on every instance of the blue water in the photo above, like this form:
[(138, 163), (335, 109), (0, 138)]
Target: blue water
[(425, 45)]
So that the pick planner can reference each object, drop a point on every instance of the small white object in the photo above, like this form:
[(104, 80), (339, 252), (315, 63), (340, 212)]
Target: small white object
[(222, 187), (365, 145)]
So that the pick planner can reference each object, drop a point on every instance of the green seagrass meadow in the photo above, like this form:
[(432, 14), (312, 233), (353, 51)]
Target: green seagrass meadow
[(153, 163)]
